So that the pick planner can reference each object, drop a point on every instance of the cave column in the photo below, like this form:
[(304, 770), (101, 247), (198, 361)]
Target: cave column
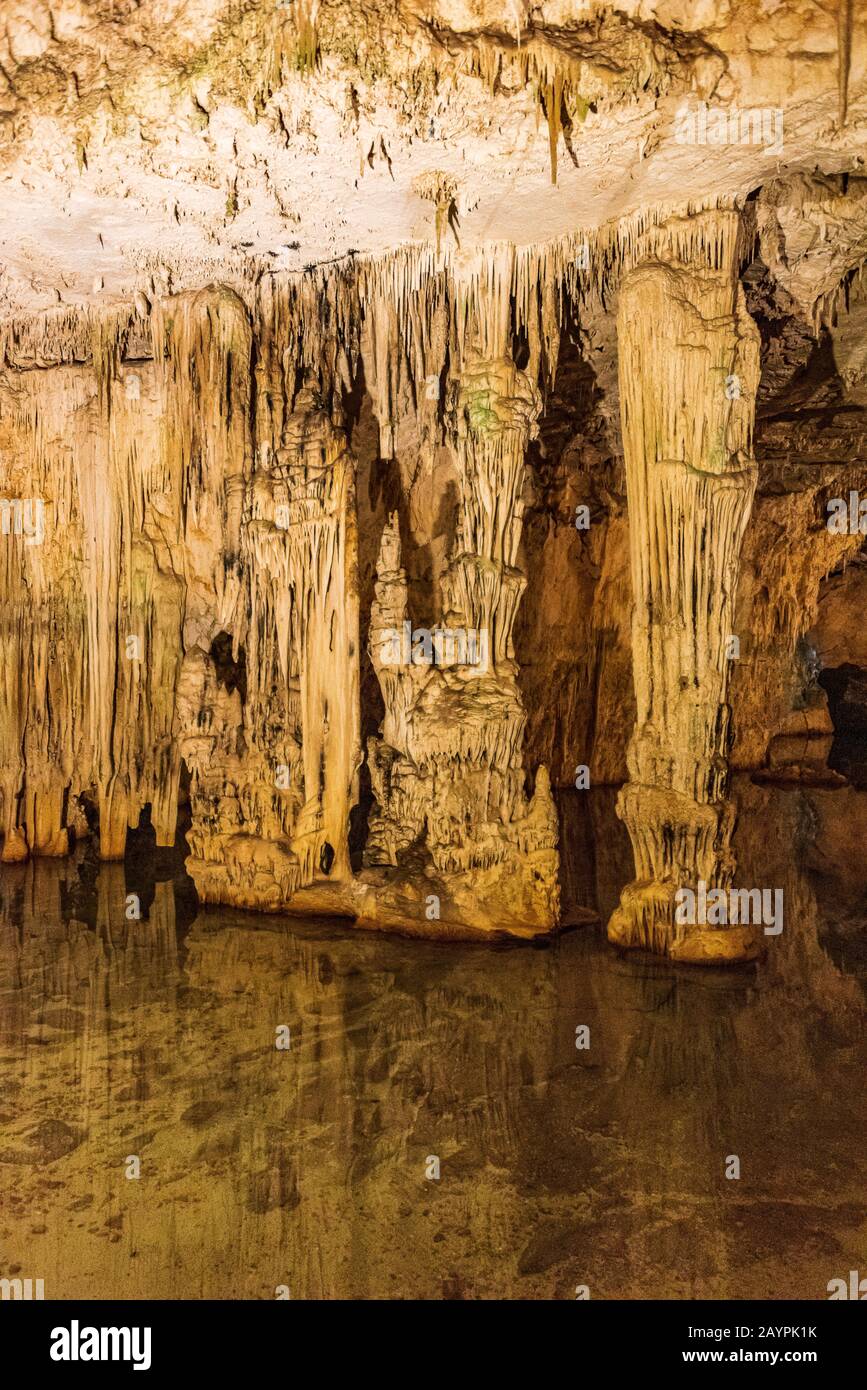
[(688, 371), (322, 558), (496, 414), (496, 408), (450, 763)]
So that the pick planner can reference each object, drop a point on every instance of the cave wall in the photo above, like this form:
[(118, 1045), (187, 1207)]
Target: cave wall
[(810, 446)]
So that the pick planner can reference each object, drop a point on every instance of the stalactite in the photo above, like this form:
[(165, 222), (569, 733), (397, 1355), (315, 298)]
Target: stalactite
[(553, 97), (844, 56), (275, 775), (307, 42)]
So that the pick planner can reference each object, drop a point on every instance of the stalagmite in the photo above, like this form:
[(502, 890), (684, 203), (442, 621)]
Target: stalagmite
[(689, 371)]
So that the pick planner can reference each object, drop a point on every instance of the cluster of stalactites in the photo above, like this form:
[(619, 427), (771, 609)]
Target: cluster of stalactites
[(274, 777), (138, 470), (411, 312), (447, 770), (440, 325)]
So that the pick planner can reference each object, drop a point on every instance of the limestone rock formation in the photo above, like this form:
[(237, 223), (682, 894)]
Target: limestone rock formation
[(272, 778), (405, 416)]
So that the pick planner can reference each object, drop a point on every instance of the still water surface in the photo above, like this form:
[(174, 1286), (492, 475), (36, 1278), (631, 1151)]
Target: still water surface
[(559, 1167)]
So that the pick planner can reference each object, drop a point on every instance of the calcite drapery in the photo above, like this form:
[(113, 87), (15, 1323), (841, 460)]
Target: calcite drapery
[(91, 616), (182, 604), (447, 771), (271, 809), (689, 370)]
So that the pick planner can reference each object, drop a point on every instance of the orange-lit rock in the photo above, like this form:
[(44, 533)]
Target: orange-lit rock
[(544, 333)]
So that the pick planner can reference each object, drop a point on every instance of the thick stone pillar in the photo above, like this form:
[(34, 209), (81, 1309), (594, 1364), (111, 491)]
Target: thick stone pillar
[(689, 370), (448, 771)]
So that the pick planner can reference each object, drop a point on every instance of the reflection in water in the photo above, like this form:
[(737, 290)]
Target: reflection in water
[(306, 1167)]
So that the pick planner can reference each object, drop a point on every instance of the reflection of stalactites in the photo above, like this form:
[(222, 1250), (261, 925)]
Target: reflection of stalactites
[(684, 1043), (48, 953), (137, 949), (38, 956)]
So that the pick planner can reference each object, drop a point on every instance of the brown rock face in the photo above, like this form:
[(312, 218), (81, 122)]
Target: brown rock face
[(373, 464)]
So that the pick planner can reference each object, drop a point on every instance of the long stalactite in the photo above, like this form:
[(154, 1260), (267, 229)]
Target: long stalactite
[(689, 372)]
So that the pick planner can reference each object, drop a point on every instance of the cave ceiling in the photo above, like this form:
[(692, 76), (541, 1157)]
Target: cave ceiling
[(152, 147)]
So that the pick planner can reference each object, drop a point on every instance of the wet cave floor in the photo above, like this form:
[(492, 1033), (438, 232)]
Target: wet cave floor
[(309, 1167)]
